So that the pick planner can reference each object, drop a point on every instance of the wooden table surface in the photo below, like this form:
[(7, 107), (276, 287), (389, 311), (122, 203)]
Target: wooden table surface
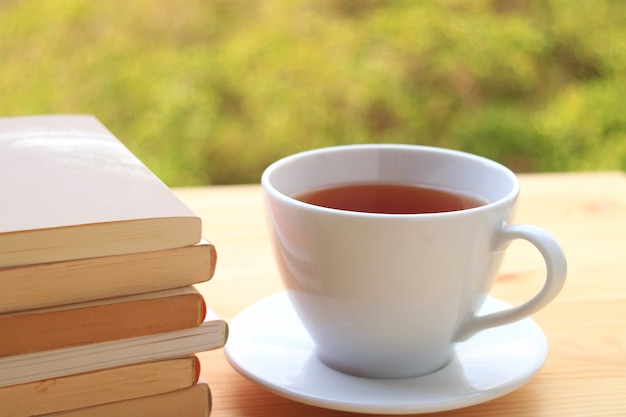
[(585, 373)]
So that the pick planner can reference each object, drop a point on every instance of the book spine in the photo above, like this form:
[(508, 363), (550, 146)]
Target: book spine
[(33, 331)]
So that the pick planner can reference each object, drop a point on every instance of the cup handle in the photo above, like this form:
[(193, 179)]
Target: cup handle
[(556, 271)]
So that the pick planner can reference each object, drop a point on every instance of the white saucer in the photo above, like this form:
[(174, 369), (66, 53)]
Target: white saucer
[(268, 345)]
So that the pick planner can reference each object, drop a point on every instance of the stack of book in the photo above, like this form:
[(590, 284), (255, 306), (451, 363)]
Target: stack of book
[(99, 315)]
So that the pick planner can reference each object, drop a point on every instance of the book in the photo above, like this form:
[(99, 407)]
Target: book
[(57, 283), (34, 366), (188, 402), (99, 387), (100, 321), (71, 190)]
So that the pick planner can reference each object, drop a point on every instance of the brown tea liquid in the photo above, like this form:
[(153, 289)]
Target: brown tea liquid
[(389, 199)]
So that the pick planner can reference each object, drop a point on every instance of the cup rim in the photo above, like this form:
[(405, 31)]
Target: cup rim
[(269, 188)]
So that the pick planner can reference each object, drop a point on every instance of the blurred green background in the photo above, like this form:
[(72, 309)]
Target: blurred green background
[(210, 92)]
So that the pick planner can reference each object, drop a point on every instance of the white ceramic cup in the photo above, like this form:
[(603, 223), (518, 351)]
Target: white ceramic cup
[(388, 295)]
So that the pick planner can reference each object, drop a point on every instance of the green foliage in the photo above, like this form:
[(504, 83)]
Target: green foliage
[(212, 91)]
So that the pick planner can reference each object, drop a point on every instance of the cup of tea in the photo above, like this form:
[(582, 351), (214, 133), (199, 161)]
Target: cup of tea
[(387, 252)]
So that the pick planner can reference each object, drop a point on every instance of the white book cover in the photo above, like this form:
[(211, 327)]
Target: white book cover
[(71, 190)]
